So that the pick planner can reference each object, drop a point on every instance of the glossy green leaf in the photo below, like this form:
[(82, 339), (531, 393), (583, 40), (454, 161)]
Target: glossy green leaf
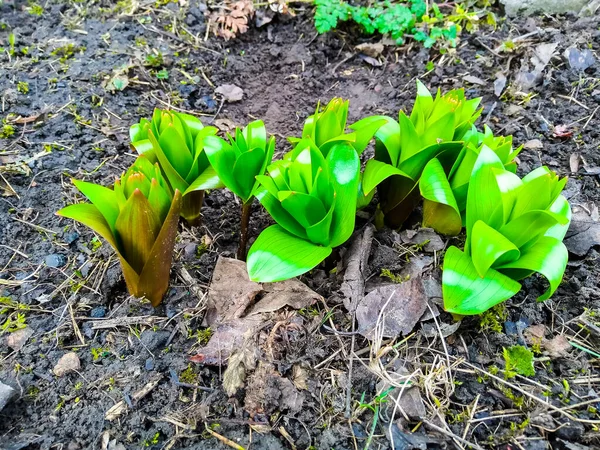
[(562, 208), (365, 133), (246, 167), (159, 200), (176, 150), (547, 256), (387, 135), (277, 255), (484, 195), (465, 292), (255, 135), (103, 198), (410, 141), (175, 179), (279, 214), (91, 217), (307, 210), (222, 158), (344, 170), (532, 225), (489, 248), (440, 210), (377, 171), (206, 180)]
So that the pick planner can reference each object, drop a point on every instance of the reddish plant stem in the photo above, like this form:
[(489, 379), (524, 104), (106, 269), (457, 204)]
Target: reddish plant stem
[(190, 208), (245, 220)]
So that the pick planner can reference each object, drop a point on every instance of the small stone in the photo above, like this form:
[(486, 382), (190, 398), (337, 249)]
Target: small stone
[(98, 312), (189, 251), (6, 393), (71, 237), (149, 364), (154, 339), (16, 340), (69, 362), (55, 260)]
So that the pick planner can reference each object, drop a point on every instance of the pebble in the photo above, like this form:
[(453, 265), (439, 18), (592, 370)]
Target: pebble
[(69, 362), (149, 364), (6, 393), (154, 339), (98, 312), (16, 340), (55, 260), (71, 237)]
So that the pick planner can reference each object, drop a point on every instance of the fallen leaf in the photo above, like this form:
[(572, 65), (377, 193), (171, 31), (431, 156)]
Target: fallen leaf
[(370, 49), (513, 110), (230, 293), (446, 329), (557, 347), (533, 144), (356, 261), (584, 232), (426, 238), (230, 92), (68, 363), (225, 125), (371, 61), (579, 60), (595, 170), (574, 162), (562, 131), (499, 84), (392, 310), (268, 391), (233, 310), (300, 377), (474, 80), (542, 55)]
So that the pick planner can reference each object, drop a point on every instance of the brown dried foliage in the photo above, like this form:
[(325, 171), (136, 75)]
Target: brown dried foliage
[(232, 19)]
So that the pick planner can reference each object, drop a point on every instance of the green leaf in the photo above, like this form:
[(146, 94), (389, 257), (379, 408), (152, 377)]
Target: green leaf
[(206, 180), (410, 141), (277, 255), (222, 158), (91, 217), (137, 227), (547, 256), (176, 150), (489, 248), (532, 225), (484, 196), (145, 147), (344, 170), (307, 210), (154, 279), (246, 167), (256, 135), (414, 165), (377, 171), (175, 179), (366, 133), (465, 292), (440, 210), (520, 360), (103, 198), (388, 135), (562, 208), (279, 214)]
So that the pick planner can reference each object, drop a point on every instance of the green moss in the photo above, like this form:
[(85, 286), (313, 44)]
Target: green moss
[(493, 319), (189, 375), (394, 277), (7, 131)]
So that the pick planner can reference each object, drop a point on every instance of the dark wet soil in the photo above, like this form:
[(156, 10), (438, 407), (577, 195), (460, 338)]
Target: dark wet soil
[(73, 123)]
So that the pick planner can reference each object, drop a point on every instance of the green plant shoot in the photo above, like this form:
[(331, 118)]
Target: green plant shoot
[(328, 128), (444, 188), (176, 141), (514, 228), (138, 218), (238, 162), (435, 129), (313, 200)]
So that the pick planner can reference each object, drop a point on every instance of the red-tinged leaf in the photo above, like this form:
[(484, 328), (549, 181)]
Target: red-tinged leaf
[(137, 227), (154, 279), (277, 255), (465, 292)]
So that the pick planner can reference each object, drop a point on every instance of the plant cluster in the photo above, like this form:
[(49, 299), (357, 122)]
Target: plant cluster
[(398, 20), (464, 176)]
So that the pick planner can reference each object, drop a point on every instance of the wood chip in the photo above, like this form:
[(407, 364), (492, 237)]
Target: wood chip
[(121, 407)]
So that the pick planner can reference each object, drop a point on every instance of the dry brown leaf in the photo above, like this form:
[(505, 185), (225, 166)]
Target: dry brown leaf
[(533, 144), (574, 162), (233, 19), (392, 310)]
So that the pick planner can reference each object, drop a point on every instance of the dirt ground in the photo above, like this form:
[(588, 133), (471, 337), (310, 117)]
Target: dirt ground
[(70, 120)]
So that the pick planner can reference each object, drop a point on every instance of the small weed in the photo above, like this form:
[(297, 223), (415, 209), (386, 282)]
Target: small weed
[(493, 319), (35, 9), (7, 131), (23, 87), (67, 52), (394, 277), (189, 375), (155, 60), (99, 353), (519, 360)]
